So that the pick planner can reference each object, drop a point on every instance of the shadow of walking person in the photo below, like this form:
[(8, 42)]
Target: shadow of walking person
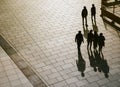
[(92, 60), (81, 65), (98, 60), (101, 63), (86, 31), (95, 27), (104, 66)]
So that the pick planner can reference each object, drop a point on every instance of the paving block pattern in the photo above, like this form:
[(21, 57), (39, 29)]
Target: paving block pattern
[(43, 32), (10, 75)]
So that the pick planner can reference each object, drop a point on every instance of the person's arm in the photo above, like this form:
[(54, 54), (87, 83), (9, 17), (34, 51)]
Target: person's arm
[(87, 12), (103, 38), (95, 10)]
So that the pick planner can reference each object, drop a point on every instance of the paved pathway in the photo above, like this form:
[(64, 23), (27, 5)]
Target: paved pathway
[(43, 32)]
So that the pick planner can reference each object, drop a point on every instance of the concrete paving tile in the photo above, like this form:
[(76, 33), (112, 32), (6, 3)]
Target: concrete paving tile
[(114, 83), (93, 78), (81, 83), (94, 84), (43, 33), (72, 80), (103, 81), (53, 75), (69, 65), (60, 84)]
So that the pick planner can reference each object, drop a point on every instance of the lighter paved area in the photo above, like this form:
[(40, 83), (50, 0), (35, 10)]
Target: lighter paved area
[(43, 33), (10, 75)]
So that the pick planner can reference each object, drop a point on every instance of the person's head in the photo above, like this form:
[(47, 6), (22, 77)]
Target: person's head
[(84, 7), (95, 32), (79, 32), (101, 34), (90, 31), (93, 5)]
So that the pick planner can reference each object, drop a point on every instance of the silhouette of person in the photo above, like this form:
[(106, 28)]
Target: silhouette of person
[(101, 42), (84, 15), (93, 13), (81, 65), (89, 39), (79, 39), (95, 40)]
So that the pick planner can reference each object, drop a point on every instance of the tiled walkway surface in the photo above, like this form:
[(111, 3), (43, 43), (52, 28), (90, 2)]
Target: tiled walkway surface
[(10, 75), (43, 33)]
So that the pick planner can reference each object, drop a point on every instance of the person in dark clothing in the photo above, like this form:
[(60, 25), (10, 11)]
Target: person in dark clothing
[(95, 40), (79, 39), (101, 42), (84, 15), (89, 39), (93, 13)]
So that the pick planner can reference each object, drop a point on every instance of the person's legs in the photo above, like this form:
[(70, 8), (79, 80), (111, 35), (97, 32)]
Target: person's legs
[(92, 18), (83, 20), (95, 45), (95, 18), (90, 44), (100, 49), (86, 20), (78, 45)]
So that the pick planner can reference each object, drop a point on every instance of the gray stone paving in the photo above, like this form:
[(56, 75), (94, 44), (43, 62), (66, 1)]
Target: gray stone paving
[(21, 64), (43, 32), (10, 75)]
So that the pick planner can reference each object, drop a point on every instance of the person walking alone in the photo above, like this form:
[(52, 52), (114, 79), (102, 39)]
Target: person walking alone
[(101, 42), (93, 13), (84, 15), (79, 39)]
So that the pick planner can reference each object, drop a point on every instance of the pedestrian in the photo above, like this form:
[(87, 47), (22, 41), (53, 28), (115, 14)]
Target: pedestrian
[(93, 13), (79, 39), (101, 42), (95, 40), (84, 15), (89, 39)]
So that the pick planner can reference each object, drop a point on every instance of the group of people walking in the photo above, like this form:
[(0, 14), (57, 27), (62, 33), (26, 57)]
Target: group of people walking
[(93, 39), (85, 14)]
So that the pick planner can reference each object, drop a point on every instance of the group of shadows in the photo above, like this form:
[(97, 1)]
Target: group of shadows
[(96, 58), (97, 62)]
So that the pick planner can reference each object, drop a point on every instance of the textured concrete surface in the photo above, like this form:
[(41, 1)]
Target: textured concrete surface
[(43, 33)]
